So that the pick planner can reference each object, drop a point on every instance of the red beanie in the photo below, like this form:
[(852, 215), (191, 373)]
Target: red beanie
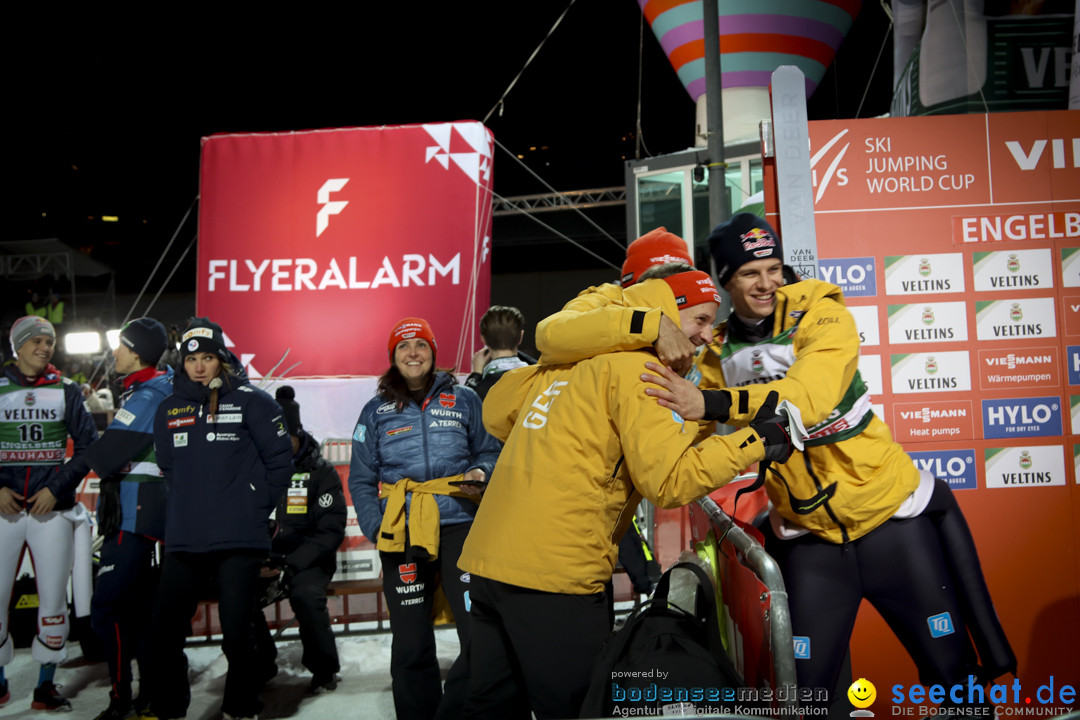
[(411, 327), (692, 288), (653, 248)]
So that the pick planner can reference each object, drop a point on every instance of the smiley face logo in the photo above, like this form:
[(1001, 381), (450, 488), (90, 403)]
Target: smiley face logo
[(862, 693)]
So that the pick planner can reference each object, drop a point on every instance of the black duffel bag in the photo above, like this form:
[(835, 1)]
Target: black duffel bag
[(665, 658)]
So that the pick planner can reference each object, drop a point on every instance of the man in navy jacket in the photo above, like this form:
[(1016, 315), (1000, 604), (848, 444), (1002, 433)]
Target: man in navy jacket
[(131, 510)]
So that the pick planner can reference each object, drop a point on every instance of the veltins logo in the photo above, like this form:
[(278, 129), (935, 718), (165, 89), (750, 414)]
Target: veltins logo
[(940, 371), (956, 467), (921, 323), (1014, 467), (1021, 417), (924, 274), (996, 271), (855, 276), (1016, 318)]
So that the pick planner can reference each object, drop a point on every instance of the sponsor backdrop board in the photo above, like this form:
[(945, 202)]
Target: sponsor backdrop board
[(956, 241), (316, 242)]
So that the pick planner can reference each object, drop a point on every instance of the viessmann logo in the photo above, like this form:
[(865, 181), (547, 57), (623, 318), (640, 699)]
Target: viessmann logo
[(1064, 153)]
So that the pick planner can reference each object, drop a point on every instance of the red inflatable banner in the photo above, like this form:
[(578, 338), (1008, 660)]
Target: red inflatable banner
[(315, 243)]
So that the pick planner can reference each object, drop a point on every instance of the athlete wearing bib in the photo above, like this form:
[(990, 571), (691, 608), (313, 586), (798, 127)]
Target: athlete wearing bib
[(39, 409)]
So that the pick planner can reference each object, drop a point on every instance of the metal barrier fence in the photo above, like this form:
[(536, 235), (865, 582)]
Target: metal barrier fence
[(757, 621)]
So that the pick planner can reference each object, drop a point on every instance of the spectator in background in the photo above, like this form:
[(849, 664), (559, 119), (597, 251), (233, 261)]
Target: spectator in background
[(305, 537), (54, 310), (172, 350), (37, 496), (130, 512), (503, 329), (422, 438), (76, 374), (34, 306), (224, 450)]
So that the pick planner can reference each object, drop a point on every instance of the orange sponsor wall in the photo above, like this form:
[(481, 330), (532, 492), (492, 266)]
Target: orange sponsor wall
[(956, 240)]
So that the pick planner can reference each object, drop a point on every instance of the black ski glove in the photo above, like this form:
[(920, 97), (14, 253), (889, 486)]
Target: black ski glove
[(773, 429)]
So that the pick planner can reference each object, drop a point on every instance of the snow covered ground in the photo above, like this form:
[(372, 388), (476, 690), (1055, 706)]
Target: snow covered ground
[(363, 693)]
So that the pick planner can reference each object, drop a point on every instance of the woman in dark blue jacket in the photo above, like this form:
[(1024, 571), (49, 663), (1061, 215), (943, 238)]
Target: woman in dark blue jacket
[(422, 438), (224, 449)]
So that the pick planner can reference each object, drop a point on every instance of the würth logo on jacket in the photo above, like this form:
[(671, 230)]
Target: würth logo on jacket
[(407, 572), (447, 400)]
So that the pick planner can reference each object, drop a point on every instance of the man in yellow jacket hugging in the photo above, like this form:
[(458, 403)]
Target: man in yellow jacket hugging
[(584, 443)]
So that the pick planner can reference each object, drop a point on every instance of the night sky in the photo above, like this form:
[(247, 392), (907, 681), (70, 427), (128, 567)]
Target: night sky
[(108, 112)]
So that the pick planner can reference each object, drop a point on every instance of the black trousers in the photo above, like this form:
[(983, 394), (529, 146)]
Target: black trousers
[(409, 586), (307, 597), (532, 651), (123, 601), (185, 578), (902, 570)]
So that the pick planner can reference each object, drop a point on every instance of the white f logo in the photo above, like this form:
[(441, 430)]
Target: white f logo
[(322, 220)]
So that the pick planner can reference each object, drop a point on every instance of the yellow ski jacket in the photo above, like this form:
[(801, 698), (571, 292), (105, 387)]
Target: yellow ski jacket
[(584, 443), (852, 476)]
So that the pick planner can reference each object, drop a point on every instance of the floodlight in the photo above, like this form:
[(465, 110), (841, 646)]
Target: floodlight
[(82, 343), (112, 337)]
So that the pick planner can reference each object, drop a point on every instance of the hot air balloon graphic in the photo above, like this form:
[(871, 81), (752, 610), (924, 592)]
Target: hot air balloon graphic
[(756, 37)]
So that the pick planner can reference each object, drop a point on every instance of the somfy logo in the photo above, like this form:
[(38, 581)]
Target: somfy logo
[(322, 220)]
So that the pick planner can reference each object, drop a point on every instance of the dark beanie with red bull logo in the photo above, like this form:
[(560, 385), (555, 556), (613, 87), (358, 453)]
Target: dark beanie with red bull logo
[(742, 239)]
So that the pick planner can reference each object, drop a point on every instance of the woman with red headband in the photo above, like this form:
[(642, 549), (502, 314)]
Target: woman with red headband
[(422, 439)]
